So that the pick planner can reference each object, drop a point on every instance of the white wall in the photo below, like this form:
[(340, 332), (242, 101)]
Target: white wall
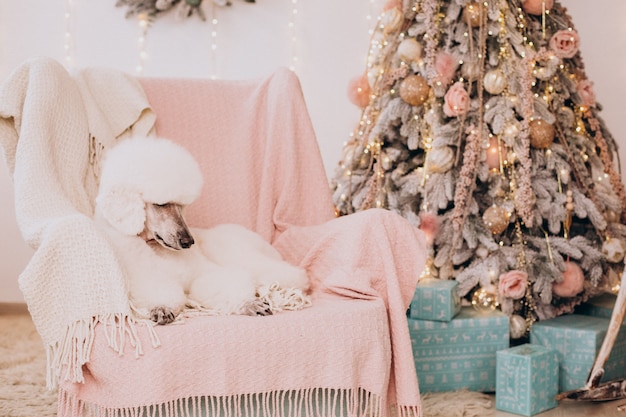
[(253, 39)]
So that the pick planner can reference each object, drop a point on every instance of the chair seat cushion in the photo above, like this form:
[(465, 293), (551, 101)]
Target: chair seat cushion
[(329, 345)]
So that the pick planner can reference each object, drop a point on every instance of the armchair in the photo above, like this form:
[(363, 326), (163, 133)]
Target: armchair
[(349, 353)]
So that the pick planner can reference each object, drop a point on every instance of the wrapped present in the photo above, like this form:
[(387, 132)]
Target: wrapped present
[(527, 379), (599, 306), (577, 339), (435, 299), (461, 353)]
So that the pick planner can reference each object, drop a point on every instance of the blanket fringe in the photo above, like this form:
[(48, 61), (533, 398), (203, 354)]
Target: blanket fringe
[(66, 357), (313, 402)]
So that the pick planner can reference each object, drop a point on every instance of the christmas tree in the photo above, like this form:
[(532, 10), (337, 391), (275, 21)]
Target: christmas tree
[(480, 126)]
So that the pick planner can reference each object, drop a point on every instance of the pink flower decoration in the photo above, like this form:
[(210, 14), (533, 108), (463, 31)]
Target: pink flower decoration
[(572, 282), (513, 284), (359, 91), (585, 90), (565, 43), (535, 6), (456, 100), (446, 66)]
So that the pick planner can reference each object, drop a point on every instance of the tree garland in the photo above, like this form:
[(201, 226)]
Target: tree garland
[(154, 8)]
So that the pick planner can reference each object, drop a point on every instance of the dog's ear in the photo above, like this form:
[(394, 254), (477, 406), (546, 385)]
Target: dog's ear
[(123, 209)]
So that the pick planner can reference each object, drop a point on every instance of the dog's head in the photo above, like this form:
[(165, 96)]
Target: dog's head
[(144, 185)]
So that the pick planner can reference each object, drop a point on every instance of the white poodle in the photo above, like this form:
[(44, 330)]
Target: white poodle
[(145, 184)]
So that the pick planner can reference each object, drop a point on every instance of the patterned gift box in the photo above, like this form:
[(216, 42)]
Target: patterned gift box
[(527, 379), (460, 353), (577, 339), (600, 306), (435, 299)]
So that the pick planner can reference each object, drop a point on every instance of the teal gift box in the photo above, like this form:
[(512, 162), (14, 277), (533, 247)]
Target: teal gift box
[(435, 299), (526, 379), (599, 306), (461, 353), (577, 339)]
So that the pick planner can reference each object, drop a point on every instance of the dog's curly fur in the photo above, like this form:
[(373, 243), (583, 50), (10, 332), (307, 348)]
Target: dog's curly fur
[(145, 184)]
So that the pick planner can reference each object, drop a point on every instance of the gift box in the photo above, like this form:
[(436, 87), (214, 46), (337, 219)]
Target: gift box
[(599, 306), (577, 339), (461, 353), (526, 379), (435, 299)]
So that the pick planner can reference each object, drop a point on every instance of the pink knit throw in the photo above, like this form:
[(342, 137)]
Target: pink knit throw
[(347, 354)]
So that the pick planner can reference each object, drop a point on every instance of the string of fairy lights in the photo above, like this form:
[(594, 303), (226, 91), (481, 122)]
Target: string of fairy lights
[(68, 38), (144, 24)]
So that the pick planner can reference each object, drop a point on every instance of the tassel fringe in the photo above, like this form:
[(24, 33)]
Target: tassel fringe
[(66, 358), (313, 402)]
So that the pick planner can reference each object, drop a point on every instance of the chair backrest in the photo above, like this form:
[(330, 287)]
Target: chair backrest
[(256, 147)]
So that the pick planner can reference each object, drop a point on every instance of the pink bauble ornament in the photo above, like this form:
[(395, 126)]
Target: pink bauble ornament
[(541, 134), (572, 283), (414, 90), (359, 91), (535, 7)]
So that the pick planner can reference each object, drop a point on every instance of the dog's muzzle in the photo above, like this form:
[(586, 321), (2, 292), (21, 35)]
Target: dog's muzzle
[(165, 224)]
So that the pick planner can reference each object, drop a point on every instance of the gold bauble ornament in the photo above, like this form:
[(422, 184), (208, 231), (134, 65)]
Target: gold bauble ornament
[(494, 82), (471, 14), (485, 300), (496, 219), (414, 90), (541, 134)]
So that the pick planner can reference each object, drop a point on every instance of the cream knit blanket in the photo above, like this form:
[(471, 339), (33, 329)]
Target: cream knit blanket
[(52, 129)]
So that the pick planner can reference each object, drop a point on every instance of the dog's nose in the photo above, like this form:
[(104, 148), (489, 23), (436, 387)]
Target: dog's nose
[(186, 242)]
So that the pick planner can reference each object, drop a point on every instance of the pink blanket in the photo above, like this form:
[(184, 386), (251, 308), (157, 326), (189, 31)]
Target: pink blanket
[(350, 352)]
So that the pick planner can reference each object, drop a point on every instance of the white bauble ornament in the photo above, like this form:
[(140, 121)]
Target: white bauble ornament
[(613, 250), (409, 50), (494, 81), (440, 159), (517, 326)]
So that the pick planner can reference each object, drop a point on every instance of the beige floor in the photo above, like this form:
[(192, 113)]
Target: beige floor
[(579, 409)]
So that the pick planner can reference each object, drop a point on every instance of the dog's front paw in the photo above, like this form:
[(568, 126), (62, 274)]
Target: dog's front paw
[(256, 308), (162, 315)]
